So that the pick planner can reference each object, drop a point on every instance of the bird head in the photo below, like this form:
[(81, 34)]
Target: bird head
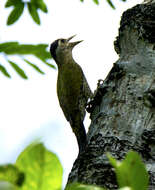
[(62, 49)]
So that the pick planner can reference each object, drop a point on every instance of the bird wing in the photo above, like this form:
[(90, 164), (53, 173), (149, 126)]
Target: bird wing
[(69, 89), (87, 91)]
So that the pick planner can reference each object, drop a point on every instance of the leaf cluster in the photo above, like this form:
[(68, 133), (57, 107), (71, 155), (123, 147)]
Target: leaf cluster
[(131, 172), (18, 8), (35, 168), (33, 7), (14, 48), (38, 168), (108, 1)]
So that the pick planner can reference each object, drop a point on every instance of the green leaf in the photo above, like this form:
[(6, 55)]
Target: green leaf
[(111, 4), (113, 161), (7, 46), (15, 14), (34, 66), (10, 3), (16, 48), (41, 5), (33, 7), (13, 48), (33, 12), (50, 65), (78, 186), (131, 172), (96, 2), (39, 51), (42, 168), (11, 173), (18, 69), (4, 71)]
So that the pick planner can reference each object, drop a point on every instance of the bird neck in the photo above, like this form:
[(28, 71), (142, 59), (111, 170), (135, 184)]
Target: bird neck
[(65, 59)]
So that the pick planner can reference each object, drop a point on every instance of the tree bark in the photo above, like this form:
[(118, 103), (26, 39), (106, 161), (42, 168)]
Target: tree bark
[(123, 109)]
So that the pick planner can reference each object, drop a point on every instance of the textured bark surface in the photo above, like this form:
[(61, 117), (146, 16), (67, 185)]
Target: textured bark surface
[(123, 110)]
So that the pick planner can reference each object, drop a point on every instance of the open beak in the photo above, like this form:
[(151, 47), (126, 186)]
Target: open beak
[(70, 38), (72, 44)]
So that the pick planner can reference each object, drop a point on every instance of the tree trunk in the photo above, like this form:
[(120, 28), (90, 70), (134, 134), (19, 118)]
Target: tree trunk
[(123, 109)]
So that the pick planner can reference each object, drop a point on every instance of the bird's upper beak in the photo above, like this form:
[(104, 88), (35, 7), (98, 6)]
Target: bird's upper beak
[(72, 44)]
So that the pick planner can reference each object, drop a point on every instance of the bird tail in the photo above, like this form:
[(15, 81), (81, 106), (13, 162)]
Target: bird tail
[(81, 136)]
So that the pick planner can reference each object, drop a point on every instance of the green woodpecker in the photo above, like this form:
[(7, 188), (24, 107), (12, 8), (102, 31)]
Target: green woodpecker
[(72, 88)]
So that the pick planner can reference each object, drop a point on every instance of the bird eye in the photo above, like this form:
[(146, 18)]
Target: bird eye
[(62, 40)]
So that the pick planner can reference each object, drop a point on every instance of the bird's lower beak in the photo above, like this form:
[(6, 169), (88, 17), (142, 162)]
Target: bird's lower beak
[(72, 44)]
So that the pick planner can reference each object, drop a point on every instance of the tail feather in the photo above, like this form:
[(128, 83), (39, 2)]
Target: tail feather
[(81, 137)]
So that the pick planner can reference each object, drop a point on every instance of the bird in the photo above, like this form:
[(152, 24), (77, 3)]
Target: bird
[(73, 90)]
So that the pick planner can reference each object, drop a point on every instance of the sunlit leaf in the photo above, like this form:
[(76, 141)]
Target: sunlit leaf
[(15, 14), (131, 172), (113, 161), (11, 173), (18, 69), (42, 168), (33, 12), (4, 71), (111, 4), (34, 66)]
